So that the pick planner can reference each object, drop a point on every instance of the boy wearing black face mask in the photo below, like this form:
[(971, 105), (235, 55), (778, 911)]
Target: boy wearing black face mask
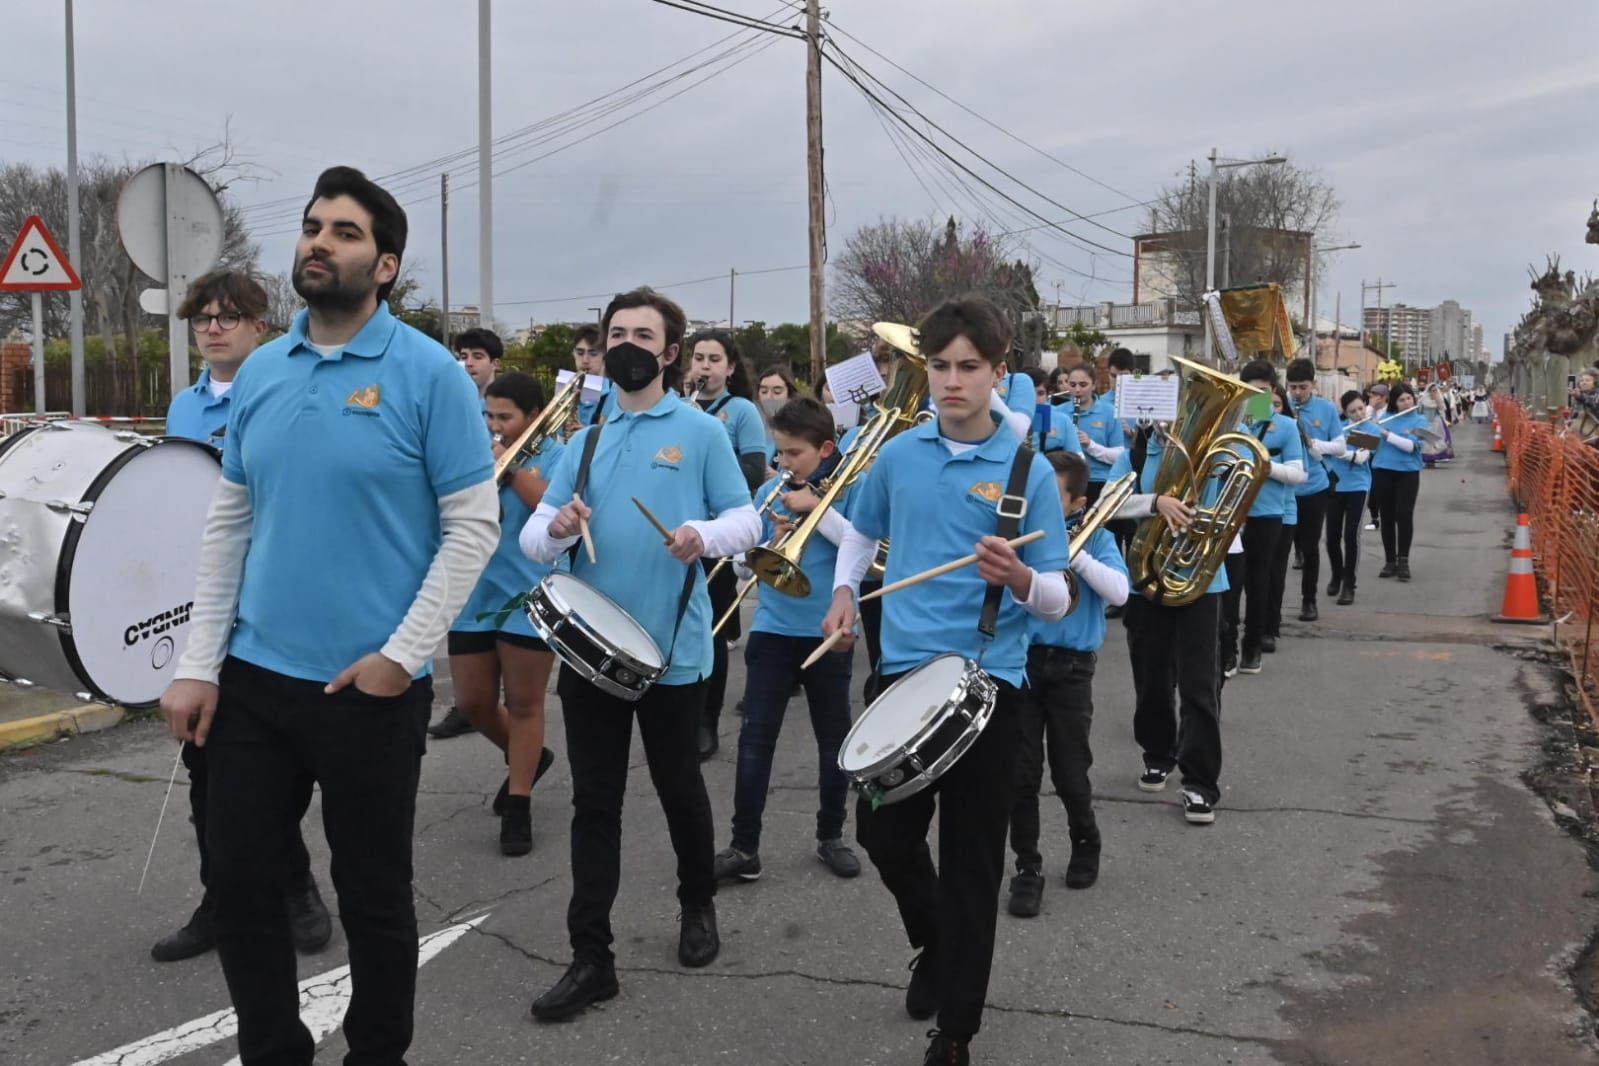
[(675, 459)]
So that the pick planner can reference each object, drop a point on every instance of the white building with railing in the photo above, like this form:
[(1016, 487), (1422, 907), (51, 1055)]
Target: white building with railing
[(1152, 331)]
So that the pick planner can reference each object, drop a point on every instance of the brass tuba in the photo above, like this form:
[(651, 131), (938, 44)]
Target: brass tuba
[(779, 565), (1176, 568)]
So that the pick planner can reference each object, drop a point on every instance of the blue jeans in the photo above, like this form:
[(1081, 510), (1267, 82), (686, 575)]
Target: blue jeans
[(772, 663)]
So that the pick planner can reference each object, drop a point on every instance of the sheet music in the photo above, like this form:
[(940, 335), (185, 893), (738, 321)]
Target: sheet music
[(1147, 397), (845, 415), (593, 384), (855, 379)]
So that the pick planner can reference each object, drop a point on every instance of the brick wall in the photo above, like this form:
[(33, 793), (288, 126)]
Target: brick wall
[(15, 358)]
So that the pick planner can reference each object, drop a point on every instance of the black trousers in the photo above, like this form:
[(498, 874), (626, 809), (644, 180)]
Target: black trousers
[(270, 732), (1279, 581), (1307, 540), (872, 625), (1057, 710), (1228, 626), (1260, 541), (1343, 534), (297, 859), (952, 908), (599, 738), (1174, 650), (722, 588), (1395, 493)]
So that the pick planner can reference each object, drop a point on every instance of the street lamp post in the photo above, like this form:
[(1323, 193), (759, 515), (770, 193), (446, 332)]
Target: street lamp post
[(1310, 287), (1210, 228)]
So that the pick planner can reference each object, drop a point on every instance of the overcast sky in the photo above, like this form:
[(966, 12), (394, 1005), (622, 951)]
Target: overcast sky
[(1459, 135)]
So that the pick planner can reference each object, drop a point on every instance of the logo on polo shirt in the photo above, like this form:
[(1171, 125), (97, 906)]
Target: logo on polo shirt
[(722, 415), (364, 401), (988, 490), (669, 456)]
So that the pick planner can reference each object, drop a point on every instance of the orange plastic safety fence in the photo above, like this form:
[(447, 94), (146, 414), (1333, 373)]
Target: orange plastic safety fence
[(1554, 478)]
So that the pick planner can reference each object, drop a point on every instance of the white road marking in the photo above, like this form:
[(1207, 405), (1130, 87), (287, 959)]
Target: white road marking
[(323, 1001)]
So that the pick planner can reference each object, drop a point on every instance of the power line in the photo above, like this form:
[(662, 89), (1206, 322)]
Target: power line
[(665, 285), (694, 7)]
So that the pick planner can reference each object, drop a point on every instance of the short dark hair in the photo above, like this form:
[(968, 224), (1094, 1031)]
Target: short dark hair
[(780, 370), (1348, 398), (738, 382), (973, 317), (587, 334), (806, 418), (1398, 389), (1121, 359), (1072, 467), (1258, 370), (389, 225), (1038, 375), (520, 388), (1301, 370), (1087, 368), (232, 291), (672, 317), (485, 339)]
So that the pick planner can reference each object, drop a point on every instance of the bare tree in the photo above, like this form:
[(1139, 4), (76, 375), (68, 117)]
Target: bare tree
[(1259, 204), (283, 303), (897, 270)]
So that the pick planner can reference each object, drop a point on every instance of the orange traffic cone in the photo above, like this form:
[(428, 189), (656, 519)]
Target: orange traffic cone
[(1521, 587), (1499, 438)]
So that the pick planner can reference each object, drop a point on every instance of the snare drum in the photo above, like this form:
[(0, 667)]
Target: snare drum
[(913, 733), (99, 533), (594, 636)]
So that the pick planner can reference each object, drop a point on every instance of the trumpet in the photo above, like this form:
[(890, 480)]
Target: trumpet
[(561, 409)]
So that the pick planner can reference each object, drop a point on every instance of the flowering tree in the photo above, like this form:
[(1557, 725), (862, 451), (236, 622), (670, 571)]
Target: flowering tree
[(898, 270)]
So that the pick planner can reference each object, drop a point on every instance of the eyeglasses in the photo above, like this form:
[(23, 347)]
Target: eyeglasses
[(227, 320)]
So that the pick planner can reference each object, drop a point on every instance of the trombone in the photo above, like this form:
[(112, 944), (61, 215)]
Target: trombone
[(783, 483), (556, 414)]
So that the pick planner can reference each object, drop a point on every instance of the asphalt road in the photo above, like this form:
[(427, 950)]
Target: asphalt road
[(1379, 886)]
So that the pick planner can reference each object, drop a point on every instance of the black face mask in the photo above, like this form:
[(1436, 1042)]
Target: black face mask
[(631, 367)]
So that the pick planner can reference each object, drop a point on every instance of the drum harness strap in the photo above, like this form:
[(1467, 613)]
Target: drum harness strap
[(1012, 508)]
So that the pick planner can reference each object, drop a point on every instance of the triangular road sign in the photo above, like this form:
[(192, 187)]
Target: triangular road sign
[(37, 263)]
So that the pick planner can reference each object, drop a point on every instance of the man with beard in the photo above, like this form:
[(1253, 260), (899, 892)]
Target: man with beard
[(658, 449), (356, 509)]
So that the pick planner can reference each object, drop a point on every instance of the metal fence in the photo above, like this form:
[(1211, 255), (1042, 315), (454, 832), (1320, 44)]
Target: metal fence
[(1555, 480)]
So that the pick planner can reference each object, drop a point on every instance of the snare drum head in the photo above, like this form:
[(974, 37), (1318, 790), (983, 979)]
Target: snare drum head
[(902, 712), (131, 574), (600, 613)]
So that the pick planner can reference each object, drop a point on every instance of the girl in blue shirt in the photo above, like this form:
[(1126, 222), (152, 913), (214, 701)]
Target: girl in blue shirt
[(774, 387), (1350, 474), (1396, 479), (488, 651)]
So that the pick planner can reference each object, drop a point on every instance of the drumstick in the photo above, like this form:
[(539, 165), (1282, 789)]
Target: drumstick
[(588, 538), (944, 568), (824, 647), (162, 816), (666, 534)]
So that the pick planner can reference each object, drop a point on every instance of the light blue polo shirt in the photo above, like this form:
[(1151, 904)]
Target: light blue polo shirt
[(936, 506), (196, 414), (1104, 429), (1390, 458), (345, 458), (847, 441), (587, 411), (1084, 628), (509, 573), (1062, 435), (675, 458), (1352, 476), (746, 430), (1019, 393), (1290, 509), (1320, 420), (800, 616), (1282, 441), (1147, 483)]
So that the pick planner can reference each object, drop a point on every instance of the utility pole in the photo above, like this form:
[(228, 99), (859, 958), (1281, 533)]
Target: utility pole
[(485, 176), (813, 168), (74, 227), (732, 323), (1380, 285), (444, 256), (1338, 328)]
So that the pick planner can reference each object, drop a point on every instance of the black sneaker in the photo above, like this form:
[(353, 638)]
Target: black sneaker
[(1308, 612), (1334, 585), (708, 741), (836, 856), (1026, 894), (1346, 595), (698, 942), (1251, 663), (946, 1050), (516, 826), (309, 923), (1402, 569), (546, 760), (1153, 779), (453, 724), (1389, 569), (1197, 809), (1299, 560), (1268, 643), (198, 936), (1229, 665), (731, 863), (1083, 869), (921, 995)]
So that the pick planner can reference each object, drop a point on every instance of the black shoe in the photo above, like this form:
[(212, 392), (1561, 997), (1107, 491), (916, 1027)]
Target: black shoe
[(921, 995), (1346, 595), (1083, 869), (1389, 569), (698, 942), (1153, 779), (1026, 894), (1308, 612), (1197, 809), (1402, 568), (708, 742), (946, 1050), (1268, 644), (1115, 610), (453, 724), (1299, 560), (730, 863), (837, 856), (1333, 586), (195, 938), (1251, 663), (584, 983), (309, 923), (516, 826), (546, 760)]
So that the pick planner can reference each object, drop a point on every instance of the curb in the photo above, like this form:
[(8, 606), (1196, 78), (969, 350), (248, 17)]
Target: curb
[(43, 728)]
